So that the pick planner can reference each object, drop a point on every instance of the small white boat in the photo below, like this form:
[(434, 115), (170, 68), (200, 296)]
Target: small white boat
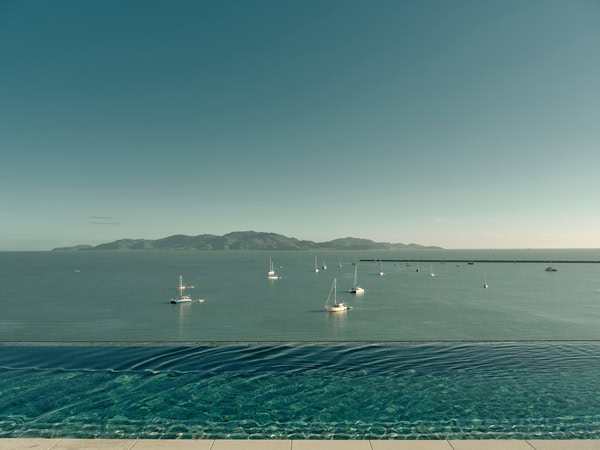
[(271, 275), (181, 297), (431, 274), (356, 289), (324, 266), (380, 269), (485, 283), (337, 306), (316, 267)]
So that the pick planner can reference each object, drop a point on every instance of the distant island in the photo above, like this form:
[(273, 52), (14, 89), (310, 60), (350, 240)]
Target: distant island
[(243, 240)]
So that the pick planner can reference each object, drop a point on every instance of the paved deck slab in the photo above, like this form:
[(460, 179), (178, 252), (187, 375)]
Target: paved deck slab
[(94, 444), (179, 444), (18, 444), (490, 445), (410, 445), (232, 444), (564, 445), (330, 445)]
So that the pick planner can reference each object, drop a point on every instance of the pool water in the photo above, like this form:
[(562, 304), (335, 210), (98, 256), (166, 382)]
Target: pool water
[(302, 391)]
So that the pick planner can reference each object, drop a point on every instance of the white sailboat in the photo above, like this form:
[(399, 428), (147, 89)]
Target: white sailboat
[(337, 306), (356, 289), (431, 274), (380, 269), (485, 283), (324, 266), (316, 267), (181, 297), (271, 275)]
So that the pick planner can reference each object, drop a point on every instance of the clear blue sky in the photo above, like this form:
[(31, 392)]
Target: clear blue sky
[(463, 124)]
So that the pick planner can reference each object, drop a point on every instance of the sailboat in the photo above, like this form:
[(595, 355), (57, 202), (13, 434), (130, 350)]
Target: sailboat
[(356, 289), (316, 267), (431, 274), (271, 275), (324, 267), (380, 269), (485, 283), (337, 306), (417, 265), (181, 297)]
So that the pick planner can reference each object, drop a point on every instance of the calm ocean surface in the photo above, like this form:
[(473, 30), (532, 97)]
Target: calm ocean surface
[(90, 346)]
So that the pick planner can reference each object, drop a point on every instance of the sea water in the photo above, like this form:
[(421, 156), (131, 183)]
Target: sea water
[(92, 347)]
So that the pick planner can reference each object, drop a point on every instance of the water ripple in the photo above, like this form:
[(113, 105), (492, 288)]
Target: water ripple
[(351, 358), (338, 391)]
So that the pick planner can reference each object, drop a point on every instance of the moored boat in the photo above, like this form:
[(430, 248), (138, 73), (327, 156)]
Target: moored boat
[(181, 297), (337, 306), (271, 275), (356, 289)]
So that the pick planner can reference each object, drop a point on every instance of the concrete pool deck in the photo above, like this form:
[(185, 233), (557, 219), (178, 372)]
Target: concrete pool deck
[(232, 444)]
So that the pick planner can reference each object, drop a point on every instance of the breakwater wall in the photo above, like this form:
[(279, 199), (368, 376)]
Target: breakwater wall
[(473, 261)]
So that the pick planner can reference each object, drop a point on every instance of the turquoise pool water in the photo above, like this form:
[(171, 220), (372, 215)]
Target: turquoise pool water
[(302, 391)]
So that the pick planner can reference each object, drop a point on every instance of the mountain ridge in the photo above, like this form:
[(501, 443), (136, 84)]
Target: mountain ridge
[(242, 240)]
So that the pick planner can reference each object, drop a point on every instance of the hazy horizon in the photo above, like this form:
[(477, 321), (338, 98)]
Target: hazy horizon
[(462, 125)]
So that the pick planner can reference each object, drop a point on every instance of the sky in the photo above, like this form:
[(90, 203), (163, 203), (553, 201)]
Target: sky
[(461, 124)]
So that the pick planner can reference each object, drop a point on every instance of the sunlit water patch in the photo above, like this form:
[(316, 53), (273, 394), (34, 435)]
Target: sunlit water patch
[(299, 391)]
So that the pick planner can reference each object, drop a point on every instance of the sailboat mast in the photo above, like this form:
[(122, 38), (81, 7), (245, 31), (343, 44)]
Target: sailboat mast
[(335, 291)]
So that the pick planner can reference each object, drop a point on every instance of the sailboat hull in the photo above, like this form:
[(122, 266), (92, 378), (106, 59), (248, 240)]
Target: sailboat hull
[(339, 308)]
